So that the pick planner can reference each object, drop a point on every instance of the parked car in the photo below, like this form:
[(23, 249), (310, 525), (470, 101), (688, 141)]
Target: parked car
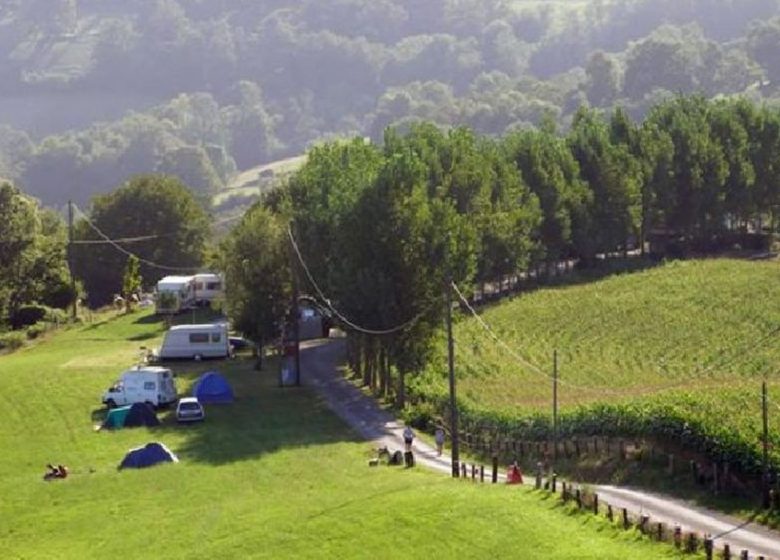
[(239, 343), (189, 409)]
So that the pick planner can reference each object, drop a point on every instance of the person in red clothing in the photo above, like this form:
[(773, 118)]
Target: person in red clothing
[(514, 475)]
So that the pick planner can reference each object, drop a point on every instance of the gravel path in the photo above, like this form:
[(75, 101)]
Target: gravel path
[(319, 364)]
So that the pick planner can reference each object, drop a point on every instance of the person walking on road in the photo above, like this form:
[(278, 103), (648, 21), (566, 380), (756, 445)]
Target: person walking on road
[(439, 437), (408, 437)]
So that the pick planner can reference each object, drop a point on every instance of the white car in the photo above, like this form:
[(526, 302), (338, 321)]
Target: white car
[(189, 409)]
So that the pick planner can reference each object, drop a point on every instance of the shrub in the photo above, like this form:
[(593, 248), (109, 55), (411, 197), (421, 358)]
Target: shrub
[(28, 315), (33, 331), (11, 340)]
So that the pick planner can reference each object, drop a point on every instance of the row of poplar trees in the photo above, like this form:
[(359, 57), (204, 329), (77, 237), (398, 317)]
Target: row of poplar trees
[(383, 229)]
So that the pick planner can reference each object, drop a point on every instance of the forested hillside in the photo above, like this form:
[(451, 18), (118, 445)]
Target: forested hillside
[(92, 91)]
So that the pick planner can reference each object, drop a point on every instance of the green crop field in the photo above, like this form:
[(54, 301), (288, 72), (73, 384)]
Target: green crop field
[(274, 475), (677, 350)]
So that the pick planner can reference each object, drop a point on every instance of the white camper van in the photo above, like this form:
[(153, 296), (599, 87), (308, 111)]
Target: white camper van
[(195, 342), (208, 287), (149, 384), (174, 294)]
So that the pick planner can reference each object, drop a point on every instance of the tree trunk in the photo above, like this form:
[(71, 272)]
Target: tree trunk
[(257, 353), (401, 400), (383, 373)]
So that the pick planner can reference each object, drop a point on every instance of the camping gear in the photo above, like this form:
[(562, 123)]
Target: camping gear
[(137, 414), (116, 417), (212, 387), (147, 456)]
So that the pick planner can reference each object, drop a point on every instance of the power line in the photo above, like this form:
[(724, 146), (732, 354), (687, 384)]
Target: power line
[(121, 249), (336, 312), (120, 240), (534, 368)]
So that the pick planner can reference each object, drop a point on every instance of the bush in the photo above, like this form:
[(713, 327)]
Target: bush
[(11, 340), (33, 331), (28, 315)]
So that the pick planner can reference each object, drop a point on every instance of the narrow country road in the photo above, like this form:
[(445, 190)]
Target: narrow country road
[(320, 361)]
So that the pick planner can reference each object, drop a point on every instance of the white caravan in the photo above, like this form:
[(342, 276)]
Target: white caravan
[(208, 287), (149, 384), (174, 294), (195, 342)]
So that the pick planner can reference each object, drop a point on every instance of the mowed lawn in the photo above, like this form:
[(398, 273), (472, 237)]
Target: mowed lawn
[(274, 475)]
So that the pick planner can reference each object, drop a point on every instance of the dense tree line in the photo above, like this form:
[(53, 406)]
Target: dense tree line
[(33, 267), (155, 218), (383, 228), (149, 227), (273, 76)]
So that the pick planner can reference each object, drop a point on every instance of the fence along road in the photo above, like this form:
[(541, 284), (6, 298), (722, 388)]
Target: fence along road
[(320, 363)]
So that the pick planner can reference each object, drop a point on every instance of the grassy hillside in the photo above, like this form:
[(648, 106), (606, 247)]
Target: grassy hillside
[(256, 479), (686, 342)]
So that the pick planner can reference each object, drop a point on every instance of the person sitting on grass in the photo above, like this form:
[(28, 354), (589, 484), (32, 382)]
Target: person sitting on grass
[(60, 471), (514, 475)]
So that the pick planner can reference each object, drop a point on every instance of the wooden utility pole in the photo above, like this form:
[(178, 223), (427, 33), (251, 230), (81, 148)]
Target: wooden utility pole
[(765, 470), (70, 261), (296, 316), (555, 405), (453, 399)]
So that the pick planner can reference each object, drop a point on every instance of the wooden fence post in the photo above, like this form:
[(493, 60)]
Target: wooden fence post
[(692, 543), (726, 552), (473, 472), (708, 547), (644, 520), (578, 497), (659, 531), (554, 481), (610, 516), (563, 491), (495, 469), (626, 523), (677, 536), (595, 504), (744, 555), (464, 470)]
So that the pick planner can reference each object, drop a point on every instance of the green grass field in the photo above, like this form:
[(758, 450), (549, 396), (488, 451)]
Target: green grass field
[(686, 341), (274, 475)]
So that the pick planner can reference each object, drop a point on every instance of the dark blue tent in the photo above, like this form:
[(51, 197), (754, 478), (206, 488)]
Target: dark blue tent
[(147, 456), (211, 387), (141, 414)]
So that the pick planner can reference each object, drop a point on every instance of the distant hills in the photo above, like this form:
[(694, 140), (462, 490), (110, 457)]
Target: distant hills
[(92, 91)]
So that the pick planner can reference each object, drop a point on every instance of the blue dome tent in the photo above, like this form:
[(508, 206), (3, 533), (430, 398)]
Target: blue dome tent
[(147, 456), (212, 387)]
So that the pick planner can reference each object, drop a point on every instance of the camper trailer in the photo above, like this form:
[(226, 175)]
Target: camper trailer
[(149, 384), (174, 294), (195, 342), (208, 287)]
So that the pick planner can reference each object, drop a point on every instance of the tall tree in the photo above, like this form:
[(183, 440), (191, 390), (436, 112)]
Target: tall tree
[(255, 260), (613, 177)]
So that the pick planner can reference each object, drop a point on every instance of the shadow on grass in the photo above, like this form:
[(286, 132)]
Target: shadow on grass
[(143, 336), (149, 319), (264, 418), (598, 271)]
